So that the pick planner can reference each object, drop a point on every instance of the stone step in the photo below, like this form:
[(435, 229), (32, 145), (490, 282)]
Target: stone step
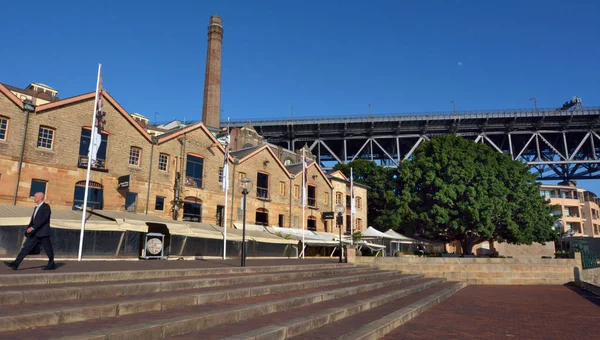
[(106, 276), (48, 314), (185, 319), (398, 315), (313, 317), (88, 290)]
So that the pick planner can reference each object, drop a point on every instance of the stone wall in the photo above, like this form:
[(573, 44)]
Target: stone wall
[(493, 271), (590, 280), (533, 251), (591, 276)]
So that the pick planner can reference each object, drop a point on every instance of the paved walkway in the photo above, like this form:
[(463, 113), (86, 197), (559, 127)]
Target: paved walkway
[(34, 267), (509, 312)]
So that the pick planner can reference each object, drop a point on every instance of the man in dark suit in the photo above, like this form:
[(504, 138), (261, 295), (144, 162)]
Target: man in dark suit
[(38, 232)]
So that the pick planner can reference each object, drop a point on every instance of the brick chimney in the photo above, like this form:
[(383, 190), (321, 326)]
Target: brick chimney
[(211, 106)]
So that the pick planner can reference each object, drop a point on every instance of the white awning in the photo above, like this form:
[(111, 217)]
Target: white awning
[(401, 238), (371, 246), (372, 232)]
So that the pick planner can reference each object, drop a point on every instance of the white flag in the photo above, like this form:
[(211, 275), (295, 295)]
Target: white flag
[(225, 185), (352, 205), (304, 179), (95, 135)]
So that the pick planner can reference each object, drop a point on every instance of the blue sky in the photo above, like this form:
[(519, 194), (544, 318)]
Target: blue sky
[(322, 57)]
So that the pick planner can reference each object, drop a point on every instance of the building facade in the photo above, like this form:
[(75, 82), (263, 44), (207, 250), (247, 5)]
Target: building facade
[(176, 175), (577, 209)]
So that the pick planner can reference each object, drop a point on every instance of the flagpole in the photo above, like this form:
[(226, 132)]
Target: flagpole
[(226, 187), (303, 200), (89, 165), (351, 207)]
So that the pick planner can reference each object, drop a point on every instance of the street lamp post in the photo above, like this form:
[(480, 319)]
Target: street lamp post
[(340, 210), (245, 187)]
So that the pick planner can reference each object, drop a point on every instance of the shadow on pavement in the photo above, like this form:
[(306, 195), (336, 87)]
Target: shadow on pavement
[(591, 297)]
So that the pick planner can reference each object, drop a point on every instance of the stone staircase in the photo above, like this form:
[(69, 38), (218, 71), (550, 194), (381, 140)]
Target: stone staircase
[(264, 302)]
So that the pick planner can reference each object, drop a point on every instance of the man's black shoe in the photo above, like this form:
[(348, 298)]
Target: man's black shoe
[(50, 267), (11, 265)]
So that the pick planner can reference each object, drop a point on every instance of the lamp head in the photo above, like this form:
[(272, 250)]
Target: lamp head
[(245, 185), (340, 209)]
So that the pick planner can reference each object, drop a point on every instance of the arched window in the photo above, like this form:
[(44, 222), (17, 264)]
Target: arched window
[(262, 217), (192, 209), (95, 195), (358, 202)]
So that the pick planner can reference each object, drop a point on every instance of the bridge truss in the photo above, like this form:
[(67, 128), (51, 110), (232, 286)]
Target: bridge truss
[(557, 144)]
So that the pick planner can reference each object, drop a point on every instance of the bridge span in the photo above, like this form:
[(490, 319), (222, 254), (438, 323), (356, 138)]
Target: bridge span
[(558, 144)]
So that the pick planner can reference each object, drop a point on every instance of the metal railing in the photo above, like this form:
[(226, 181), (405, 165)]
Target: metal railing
[(262, 192), (99, 164), (589, 260), (415, 116), (312, 202)]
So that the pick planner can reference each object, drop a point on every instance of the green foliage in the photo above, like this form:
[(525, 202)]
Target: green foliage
[(455, 189), (357, 236), (381, 190)]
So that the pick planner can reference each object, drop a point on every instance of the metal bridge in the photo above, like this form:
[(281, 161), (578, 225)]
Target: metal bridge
[(558, 144)]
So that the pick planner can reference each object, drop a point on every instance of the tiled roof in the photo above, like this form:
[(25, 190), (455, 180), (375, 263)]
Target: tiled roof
[(240, 154), (296, 167), (30, 92)]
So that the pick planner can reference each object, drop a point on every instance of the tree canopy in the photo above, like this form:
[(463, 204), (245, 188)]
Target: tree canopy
[(381, 191), (456, 189)]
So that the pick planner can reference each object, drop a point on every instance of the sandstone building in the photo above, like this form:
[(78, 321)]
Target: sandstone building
[(175, 175)]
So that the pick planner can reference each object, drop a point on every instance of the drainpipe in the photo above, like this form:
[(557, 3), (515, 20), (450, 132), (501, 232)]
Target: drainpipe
[(27, 107), (154, 141)]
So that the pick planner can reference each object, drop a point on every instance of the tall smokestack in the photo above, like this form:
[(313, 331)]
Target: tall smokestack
[(211, 107)]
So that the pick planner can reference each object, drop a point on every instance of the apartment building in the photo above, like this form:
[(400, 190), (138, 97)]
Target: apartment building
[(577, 208)]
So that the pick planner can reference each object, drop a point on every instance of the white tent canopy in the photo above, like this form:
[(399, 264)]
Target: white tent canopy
[(372, 232), (401, 238)]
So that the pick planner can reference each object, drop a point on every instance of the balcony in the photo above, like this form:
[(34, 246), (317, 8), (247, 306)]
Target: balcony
[(99, 164), (312, 202), (262, 193), (193, 182)]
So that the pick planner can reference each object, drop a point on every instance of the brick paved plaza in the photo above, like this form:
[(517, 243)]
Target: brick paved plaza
[(509, 312)]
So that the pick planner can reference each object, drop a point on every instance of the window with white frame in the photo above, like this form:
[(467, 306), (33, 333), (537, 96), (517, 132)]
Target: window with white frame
[(135, 155), (163, 162), (3, 128), (45, 137)]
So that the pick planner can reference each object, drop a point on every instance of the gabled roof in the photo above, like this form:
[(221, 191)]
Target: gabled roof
[(92, 95), (242, 153), (165, 137), (256, 150), (297, 169), (11, 96), (337, 172)]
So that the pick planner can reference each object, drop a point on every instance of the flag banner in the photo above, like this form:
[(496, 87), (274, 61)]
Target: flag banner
[(304, 179), (95, 142), (96, 135), (225, 185), (352, 204)]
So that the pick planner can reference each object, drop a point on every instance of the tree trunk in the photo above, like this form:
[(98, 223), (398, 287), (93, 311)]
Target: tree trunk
[(467, 246)]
